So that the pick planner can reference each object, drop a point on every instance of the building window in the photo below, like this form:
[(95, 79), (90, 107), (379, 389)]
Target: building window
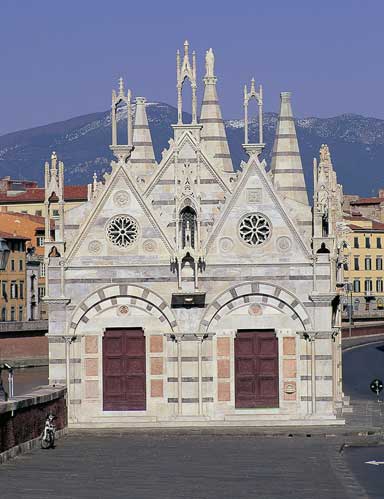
[(379, 263), (55, 213), (367, 242), (368, 285), (21, 265), (378, 242), (368, 263), (40, 240), (355, 242), (356, 261), (13, 314), (21, 290), (12, 265), (14, 289), (20, 313), (3, 314), (38, 213), (42, 269), (41, 292), (356, 286), (379, 285), (4, 290)]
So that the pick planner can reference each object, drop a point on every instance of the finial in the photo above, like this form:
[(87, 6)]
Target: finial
[(121, 86), (253, 90), (53, 156)]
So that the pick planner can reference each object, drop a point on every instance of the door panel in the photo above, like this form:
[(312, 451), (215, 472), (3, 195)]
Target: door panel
[(124, 370), (256, 369)]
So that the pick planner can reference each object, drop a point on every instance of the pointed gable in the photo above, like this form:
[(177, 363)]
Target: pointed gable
[(119, 200), (255, 208)]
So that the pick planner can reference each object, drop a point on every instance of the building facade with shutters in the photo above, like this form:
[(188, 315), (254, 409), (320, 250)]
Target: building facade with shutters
[(365, 275), (189, 292)]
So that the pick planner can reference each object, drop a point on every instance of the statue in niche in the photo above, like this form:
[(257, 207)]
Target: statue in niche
[(209, 62), (322, 200), (188, 235)]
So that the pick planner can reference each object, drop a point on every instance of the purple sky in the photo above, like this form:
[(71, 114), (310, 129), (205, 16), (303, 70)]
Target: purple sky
[(60, 59)]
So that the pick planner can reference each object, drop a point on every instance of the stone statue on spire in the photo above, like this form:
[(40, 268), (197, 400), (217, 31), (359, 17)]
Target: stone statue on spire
[(209, 63)]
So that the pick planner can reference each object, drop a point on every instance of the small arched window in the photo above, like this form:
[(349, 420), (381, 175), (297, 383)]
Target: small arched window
[(188, 227)]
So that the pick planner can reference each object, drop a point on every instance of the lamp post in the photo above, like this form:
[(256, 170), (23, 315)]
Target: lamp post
[(349, 288), (4, 253)]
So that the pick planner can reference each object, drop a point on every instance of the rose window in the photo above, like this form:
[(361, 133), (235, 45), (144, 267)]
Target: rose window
[(255, 229), (122, 231)]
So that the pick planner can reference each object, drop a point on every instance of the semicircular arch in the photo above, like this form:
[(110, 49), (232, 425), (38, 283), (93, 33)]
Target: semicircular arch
[(273, 295), (108, 296)]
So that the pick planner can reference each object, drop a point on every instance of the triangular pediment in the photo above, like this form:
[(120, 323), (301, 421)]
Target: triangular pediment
[(97, 240), (271, 235), (186, 149)]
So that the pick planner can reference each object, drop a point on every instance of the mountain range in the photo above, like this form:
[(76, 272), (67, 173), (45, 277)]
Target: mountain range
[(356, 144)]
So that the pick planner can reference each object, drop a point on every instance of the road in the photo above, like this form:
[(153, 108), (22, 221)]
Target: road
[(360, 366), (371, 476)]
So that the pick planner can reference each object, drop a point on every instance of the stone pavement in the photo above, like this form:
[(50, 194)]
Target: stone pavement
[(198, 465)]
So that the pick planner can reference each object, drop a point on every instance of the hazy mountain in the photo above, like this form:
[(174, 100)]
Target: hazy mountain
[(356, 144)]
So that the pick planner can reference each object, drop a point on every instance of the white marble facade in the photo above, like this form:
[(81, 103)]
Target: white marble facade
[(193, 251)]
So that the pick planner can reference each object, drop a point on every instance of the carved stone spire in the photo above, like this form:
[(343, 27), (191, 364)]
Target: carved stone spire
[(142, 154), (286, 167), (213, 133), (184, 71)]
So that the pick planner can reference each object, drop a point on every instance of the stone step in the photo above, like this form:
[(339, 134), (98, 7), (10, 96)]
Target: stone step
[(347, 410)]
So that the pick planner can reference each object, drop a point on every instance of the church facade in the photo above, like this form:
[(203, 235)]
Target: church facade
[(189, 292)]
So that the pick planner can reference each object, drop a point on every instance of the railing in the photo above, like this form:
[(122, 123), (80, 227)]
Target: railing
[(22, 419), (17, 326)]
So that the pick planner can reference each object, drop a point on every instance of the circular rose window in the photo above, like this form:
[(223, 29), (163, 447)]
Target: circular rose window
[(255, 229), (122, 231)]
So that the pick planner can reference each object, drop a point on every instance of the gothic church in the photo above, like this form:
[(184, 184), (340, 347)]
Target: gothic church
[(195, 292)]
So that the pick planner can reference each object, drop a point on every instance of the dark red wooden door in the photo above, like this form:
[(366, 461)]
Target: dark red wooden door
[(256, 369), (124, 381)]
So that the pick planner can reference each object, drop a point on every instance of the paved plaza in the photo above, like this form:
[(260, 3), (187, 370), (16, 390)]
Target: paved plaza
[(143, 465)]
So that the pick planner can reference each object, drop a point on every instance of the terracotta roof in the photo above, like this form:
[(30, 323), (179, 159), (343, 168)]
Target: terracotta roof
[(376, 227), (34, 218), (356, 216), (7, 235), (374, 200), (71, 193)]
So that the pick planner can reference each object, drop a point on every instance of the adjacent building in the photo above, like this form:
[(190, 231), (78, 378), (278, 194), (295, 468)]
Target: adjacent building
[(364, 267), (193, 291), (370, 207), (24, 196), (33, 228), (13, 280)]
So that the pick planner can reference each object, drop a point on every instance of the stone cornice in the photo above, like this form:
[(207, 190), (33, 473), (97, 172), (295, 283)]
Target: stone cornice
[(322, 297)]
